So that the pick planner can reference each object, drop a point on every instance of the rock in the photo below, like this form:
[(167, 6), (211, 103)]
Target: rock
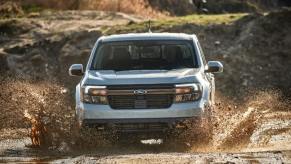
[(217, 43), (37, 60), (245, 82), (64, 90), (33, 15)]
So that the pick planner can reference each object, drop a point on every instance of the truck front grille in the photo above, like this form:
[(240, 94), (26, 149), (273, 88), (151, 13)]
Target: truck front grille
[(154, 98), (140, 102)]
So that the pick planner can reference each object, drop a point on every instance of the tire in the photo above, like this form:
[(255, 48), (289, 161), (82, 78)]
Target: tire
[(207, 123), (199, 132)]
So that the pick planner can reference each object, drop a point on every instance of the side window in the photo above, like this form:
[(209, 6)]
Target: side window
[(202, 54)]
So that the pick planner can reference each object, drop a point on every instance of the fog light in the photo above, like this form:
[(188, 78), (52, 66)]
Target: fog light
[(87, 98), (99, 100), (178, 98)]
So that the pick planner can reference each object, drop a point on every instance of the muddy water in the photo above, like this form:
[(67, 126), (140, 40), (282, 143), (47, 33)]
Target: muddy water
[(138, 154), (38, 126), (186, 158)]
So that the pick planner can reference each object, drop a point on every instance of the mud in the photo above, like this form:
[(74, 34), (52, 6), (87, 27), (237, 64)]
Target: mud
[(255, 131)]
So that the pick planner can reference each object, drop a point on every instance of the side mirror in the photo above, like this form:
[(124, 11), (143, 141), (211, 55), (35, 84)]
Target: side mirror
[(214, 67), (76, 70)]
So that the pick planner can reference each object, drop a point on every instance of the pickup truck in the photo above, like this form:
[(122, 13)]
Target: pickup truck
[(144, 82)]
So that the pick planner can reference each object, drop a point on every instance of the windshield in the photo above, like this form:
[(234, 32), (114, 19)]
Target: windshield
[(144, 55)]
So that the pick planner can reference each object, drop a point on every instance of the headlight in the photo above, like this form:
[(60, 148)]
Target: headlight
[(94, 94), (187, 92)]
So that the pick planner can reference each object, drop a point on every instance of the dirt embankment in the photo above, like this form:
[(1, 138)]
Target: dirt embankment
[(254, 50), (146, 8), (44, 47)]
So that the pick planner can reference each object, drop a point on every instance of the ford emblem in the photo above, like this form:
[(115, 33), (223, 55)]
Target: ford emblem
[(140, 92)]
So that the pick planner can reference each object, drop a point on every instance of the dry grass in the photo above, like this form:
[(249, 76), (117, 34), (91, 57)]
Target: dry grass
[(169, 22), (138, 7)]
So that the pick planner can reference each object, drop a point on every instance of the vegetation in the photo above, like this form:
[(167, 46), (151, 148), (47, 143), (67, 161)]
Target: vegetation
[(32, 8), (174, 21)]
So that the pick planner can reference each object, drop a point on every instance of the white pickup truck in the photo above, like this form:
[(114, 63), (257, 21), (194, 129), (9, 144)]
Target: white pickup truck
[(144, 82)]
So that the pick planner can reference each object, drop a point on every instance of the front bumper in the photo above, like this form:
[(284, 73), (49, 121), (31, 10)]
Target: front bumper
[(178, 110), (104, 117)]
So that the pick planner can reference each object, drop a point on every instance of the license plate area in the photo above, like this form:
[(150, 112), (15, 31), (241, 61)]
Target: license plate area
[(140, 102)]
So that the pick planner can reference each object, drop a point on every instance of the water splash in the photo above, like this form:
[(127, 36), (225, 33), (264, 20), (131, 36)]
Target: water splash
[(46, 109)]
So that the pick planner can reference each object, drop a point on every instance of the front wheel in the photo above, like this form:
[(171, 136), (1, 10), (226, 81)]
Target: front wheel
[(206, 123), (86, 136), (198, 133)]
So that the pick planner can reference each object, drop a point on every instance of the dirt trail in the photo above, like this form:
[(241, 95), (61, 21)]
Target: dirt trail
[(156, 158)]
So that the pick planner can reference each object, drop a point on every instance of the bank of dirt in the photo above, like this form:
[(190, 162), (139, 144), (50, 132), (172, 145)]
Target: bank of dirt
[(146, 8), (252, 113), (255, 49)]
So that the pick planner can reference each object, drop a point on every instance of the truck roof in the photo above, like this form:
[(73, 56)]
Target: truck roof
[(147, 36)]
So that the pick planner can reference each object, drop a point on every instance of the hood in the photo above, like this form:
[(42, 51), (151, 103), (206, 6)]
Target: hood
[(110, 77)]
